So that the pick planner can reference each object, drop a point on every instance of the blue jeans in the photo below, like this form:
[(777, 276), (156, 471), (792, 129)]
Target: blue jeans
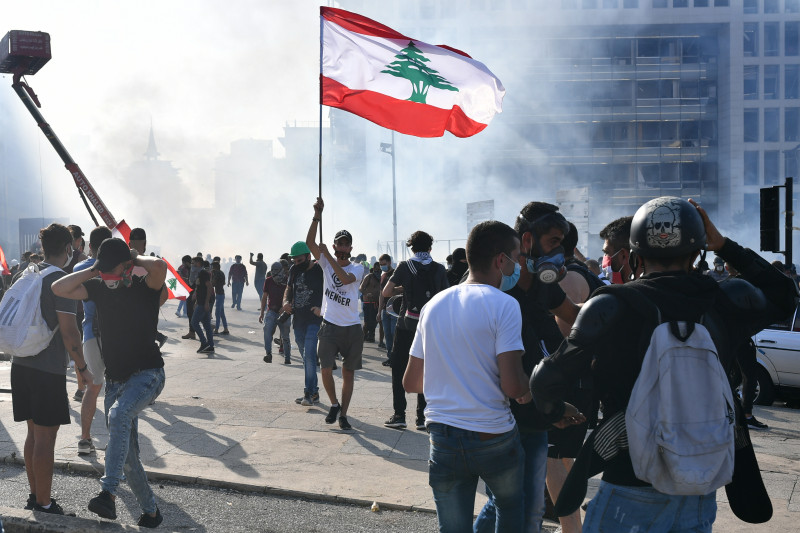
[(220, 311), (389, 324), (270, 323), (616, 508), (201, 316), (259, 286), (535, 446), (123, 402), (237, 287), (181, 308), (458, 458), (306, 338)]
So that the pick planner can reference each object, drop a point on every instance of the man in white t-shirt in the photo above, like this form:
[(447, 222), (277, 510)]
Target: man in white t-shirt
[(467, 359), (341, 330)]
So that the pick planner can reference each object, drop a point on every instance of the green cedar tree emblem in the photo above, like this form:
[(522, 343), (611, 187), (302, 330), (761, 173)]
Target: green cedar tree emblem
[(410, 64), (172, 283)]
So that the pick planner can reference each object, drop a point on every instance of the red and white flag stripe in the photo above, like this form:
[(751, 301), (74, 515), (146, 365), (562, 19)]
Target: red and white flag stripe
[(357, 52), (176, 287)]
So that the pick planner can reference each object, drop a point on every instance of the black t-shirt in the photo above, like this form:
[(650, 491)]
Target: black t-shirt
[(128, 318), (307, 289)]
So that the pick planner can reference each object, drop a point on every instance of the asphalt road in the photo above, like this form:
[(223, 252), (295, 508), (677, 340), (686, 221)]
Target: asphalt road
[(196, 508)]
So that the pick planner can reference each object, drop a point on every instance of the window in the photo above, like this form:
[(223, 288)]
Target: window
[(751, 168), (772, 125), (791, 76), (647, 48), (589, 4), (750, 7), (791, 124), (610, 4), (721, 3), (771, 6), (700, 3), (771, 39), (791, 39), (647, 89), (680, 3), (750, 125), (790, 162), (630, 4), (771, 81), (751, 82), (659, 3), (791, 6), (771, 169), (750, 39)]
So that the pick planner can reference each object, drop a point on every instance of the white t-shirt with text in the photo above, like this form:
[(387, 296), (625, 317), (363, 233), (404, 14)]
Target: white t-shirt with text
[(339, 301), (461, 331)]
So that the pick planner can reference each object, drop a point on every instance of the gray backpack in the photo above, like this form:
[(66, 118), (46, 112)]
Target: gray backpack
[(680, 417)]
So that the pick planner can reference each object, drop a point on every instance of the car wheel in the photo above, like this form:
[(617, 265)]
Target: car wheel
[(765, 390)]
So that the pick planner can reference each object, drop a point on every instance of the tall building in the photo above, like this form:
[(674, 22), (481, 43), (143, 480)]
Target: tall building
[(631, 99)]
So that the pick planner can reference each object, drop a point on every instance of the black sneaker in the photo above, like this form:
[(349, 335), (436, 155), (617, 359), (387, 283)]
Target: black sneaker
[(150, 521), (79, 395), (756, 424), (421, 423), (396, 422), (315, 397), (287, 361), (333, 414), (103, 505), (53, 509), (208, 349), (268, 358), (31, 502), (160, 339), (202, 348), (387, 362), (344, 424)]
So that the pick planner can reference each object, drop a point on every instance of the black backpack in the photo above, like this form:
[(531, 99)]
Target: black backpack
[(422, 288)]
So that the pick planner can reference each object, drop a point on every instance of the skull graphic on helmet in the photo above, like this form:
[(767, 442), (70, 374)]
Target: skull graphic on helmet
[(664, 226)]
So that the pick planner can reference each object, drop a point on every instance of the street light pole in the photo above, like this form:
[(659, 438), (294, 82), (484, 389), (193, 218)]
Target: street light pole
[(387, 148)]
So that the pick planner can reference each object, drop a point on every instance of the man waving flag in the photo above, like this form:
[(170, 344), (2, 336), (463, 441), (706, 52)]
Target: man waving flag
[(401, 83)]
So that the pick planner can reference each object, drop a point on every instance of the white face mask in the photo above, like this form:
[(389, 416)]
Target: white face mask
[(69, 258)]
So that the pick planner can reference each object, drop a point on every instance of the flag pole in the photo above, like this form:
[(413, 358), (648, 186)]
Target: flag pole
[(320, 121)]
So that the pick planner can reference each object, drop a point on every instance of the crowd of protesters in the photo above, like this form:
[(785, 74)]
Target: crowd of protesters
[(502, 347)]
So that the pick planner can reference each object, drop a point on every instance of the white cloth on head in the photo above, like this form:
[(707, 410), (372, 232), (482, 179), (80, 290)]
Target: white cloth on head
[(460, 333)]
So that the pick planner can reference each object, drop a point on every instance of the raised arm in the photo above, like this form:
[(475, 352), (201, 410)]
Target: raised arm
[(71, 285), (311, 237)]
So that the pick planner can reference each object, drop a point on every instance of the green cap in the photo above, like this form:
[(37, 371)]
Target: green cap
[(299, 248)]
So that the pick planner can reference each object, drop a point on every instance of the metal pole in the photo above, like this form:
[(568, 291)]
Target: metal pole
[(77, 174), (394, 199), (789, 214), (320, 120)]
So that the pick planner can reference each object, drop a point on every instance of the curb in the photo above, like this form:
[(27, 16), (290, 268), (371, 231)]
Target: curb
[(229, 485)]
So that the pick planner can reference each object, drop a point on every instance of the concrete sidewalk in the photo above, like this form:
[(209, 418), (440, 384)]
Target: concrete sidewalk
[(231, 420)]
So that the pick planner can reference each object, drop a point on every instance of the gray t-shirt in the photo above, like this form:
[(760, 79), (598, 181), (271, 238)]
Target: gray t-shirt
[(52, 359)]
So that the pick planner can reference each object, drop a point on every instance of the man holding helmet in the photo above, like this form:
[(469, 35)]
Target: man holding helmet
[(667, 235)]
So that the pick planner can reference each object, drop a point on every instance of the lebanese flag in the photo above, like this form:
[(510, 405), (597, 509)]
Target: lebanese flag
[(176, 287), (122, 231), (4, 270), (403, 84)]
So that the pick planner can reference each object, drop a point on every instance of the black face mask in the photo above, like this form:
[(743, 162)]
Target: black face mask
[(342, 255)]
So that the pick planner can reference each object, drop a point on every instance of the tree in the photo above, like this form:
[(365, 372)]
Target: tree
[(410, 64)]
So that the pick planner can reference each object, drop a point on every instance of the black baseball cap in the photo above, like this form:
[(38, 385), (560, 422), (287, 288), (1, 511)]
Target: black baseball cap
[(343, 234), (138, 234), (112, 252)]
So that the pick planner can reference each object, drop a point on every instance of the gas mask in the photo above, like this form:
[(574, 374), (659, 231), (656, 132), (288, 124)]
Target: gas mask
[(549, 268)]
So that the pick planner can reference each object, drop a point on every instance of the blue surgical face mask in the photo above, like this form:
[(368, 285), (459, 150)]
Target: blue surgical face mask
[(509, 282), (385, 268)]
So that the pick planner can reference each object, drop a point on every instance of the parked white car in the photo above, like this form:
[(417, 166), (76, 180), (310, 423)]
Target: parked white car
[(779, 361)]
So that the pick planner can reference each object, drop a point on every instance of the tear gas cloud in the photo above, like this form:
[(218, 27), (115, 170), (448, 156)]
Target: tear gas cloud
[(206, 75)]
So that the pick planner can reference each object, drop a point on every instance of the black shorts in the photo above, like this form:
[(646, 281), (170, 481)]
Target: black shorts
[(39, 396)]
